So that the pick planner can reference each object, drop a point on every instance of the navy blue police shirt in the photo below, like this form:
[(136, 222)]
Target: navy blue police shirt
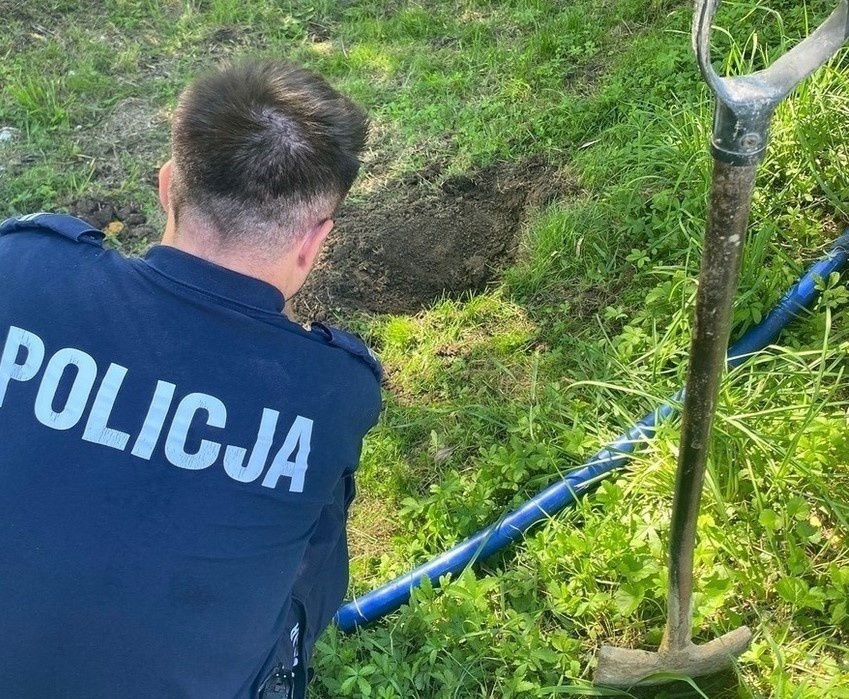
[(176, 463)]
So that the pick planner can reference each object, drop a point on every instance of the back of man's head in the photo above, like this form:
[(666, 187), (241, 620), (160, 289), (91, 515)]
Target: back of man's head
[(263, 150)]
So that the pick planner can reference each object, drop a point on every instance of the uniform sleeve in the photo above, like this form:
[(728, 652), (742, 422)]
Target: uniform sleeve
[(319, 589), (322, 577)]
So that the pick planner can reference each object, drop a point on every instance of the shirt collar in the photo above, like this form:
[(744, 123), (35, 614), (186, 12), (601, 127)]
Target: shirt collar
[(213, 279)]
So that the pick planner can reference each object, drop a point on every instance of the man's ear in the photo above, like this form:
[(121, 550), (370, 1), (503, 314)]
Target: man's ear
[(311, 244), (164, 183)]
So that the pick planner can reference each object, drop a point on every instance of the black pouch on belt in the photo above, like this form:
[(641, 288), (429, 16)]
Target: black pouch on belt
[(289, 677)]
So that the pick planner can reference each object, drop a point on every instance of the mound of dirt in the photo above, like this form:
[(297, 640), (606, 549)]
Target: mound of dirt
[(413, 242), (401, 248), (126, 223)]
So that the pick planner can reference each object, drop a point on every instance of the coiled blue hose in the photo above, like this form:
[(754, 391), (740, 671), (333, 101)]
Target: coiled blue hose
[(510, 527)]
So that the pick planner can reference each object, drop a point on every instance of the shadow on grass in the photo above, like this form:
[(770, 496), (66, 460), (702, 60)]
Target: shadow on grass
[(724, 685)]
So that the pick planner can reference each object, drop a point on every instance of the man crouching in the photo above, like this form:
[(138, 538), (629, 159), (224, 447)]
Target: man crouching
[(177, 455)]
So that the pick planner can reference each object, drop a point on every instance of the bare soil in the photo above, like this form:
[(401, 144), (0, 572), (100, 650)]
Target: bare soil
[(398, 249), (426, 237)]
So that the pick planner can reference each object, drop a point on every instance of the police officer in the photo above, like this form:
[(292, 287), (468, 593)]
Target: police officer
[(176, 454)]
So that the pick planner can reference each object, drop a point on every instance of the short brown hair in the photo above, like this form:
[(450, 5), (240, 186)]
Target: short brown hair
[(264, 149)]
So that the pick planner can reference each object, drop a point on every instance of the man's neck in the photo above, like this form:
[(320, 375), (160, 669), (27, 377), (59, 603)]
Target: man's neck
[(202, 244)]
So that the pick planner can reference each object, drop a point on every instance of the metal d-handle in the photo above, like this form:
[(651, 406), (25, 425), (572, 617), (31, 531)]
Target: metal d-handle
[(744, 104)]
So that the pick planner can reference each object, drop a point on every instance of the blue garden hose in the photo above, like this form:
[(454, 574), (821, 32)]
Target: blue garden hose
[(512, 526)]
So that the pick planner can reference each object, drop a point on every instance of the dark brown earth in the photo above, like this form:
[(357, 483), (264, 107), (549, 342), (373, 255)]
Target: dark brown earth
[(124, 224), (402, 247), (415, 241)]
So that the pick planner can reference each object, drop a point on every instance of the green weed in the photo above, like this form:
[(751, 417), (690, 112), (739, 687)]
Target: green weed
[(492, 397)]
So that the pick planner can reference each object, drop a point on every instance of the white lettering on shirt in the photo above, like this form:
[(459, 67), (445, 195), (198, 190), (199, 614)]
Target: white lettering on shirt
[(96, 429), (71, 374), (86, 374), (298, 439), (10, 370), (234, 457), (155, 420), (175, 443)]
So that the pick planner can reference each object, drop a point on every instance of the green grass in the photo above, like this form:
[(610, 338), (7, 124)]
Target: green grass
[(492, 397)]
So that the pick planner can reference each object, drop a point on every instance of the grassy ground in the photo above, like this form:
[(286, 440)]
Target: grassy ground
[(491, 397)]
